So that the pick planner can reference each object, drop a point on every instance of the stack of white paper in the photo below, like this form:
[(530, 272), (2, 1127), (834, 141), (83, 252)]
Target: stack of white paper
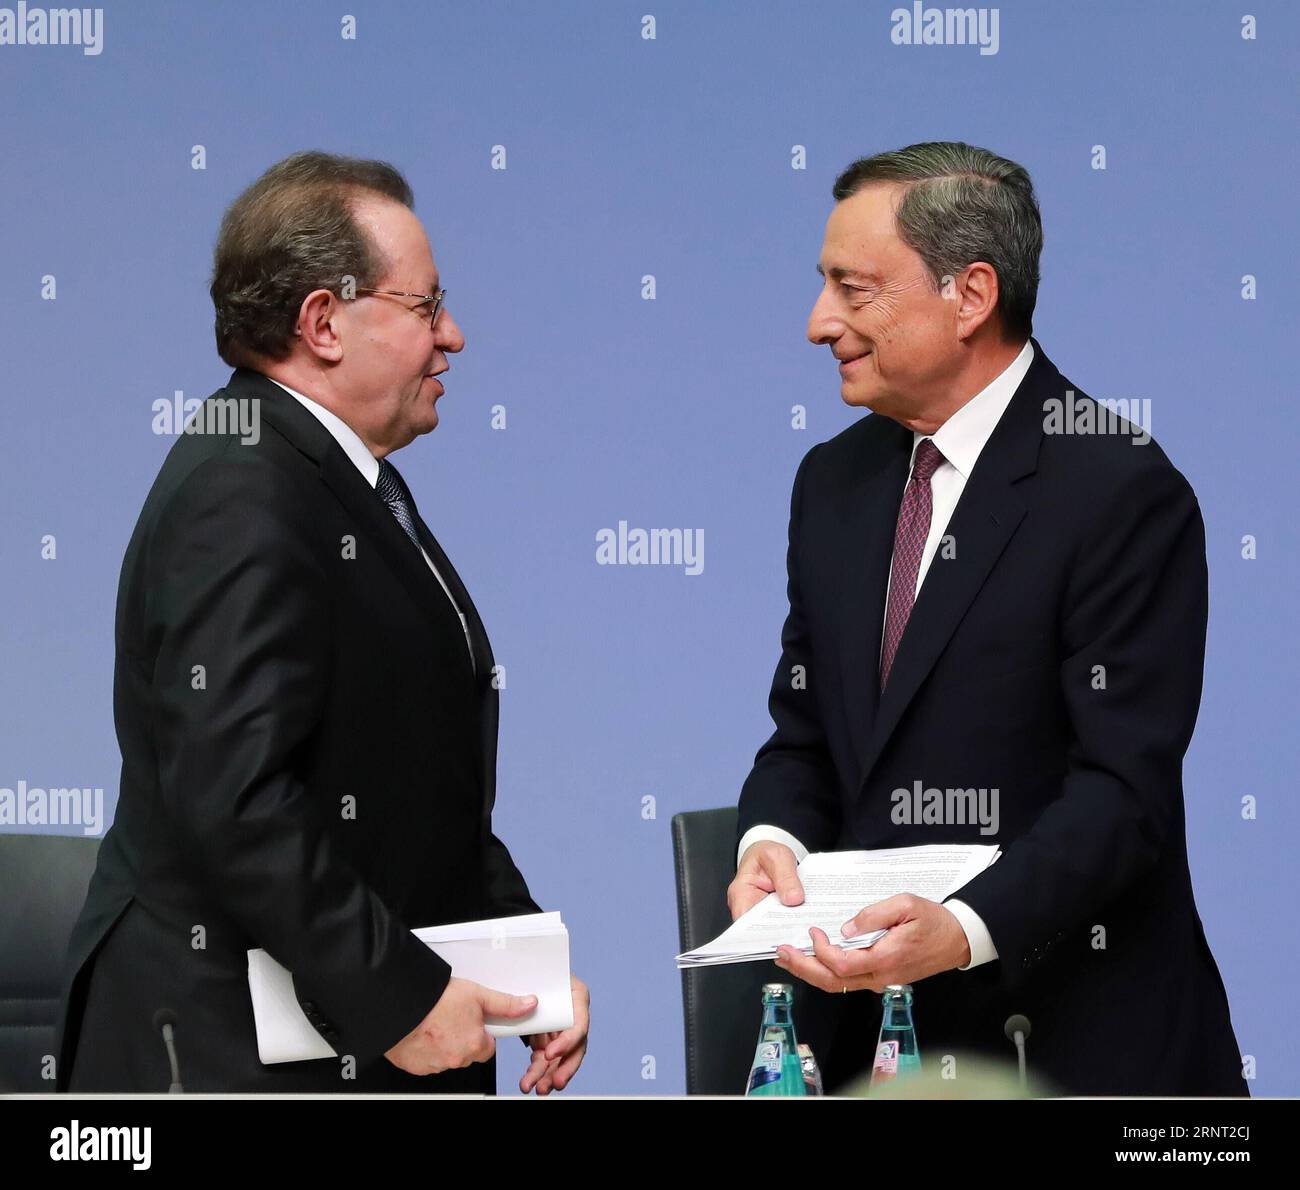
[(836, 885), (525, 955)]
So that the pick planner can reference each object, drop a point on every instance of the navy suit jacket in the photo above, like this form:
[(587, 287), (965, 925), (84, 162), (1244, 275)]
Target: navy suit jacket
[(1055, 656)]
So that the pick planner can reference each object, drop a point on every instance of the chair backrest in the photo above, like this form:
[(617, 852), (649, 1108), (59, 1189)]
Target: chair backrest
[(722, 1006), (43, 882)]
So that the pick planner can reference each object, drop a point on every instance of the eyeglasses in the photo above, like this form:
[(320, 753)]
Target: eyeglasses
[(435, 298)]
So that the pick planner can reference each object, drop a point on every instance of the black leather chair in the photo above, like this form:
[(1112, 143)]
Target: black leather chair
[(43, 881), (722, 1006)]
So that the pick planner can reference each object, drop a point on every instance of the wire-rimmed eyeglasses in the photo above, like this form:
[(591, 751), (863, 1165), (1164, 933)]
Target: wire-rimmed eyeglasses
[(436, 298)]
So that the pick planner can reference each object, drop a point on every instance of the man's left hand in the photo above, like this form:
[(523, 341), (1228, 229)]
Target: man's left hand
[(924, 939), (557, 1056)]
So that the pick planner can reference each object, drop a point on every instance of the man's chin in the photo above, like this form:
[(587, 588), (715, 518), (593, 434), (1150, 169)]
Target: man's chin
[(857, 397), (424, 426)]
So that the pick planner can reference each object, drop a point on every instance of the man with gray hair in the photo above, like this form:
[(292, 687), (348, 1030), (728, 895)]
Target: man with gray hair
[(981, 601), (304, 693)]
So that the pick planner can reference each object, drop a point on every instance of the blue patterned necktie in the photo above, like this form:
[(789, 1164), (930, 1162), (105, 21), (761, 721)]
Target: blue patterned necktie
[(392, 491)]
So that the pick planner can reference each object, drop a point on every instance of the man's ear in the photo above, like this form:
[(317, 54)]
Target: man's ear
[(976, 295), (319, 325)]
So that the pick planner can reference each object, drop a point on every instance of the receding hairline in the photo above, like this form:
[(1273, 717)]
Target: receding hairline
[(358, 195)]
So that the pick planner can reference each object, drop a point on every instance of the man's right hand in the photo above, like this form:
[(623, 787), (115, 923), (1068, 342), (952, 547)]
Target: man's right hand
[(765, 867), (452, 1035)]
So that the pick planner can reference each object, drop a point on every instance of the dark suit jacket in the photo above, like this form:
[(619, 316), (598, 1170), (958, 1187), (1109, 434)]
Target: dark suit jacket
[(323, 784), (1071, 552)]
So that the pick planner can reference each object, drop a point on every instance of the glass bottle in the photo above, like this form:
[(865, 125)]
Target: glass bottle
[(897, 1055), (777, 1069)]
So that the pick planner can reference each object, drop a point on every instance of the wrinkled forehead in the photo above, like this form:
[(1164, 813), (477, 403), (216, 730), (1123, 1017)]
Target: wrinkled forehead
[(861, 235)]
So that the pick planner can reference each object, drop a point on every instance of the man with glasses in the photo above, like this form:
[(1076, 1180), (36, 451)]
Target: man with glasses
[(304, 694)]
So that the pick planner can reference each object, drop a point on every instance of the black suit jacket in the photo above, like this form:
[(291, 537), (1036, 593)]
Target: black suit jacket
[(308, 762), (1071, 552)]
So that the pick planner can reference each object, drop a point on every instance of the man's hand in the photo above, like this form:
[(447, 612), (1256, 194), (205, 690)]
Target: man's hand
[(765, 867), (924, 938), (557, 1056), (452, 1035)]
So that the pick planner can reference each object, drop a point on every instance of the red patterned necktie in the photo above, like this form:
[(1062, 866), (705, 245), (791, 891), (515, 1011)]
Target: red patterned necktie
[(909, 544)]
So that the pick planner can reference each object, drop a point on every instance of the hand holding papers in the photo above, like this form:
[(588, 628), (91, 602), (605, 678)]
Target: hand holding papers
[(836, 885), (525, 955)]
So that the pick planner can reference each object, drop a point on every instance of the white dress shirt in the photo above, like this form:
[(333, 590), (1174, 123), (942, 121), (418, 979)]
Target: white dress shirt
[(960, 440), (368, 465)]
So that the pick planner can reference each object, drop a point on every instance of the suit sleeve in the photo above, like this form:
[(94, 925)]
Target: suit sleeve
[(792, 784), (507, 892), (243, 637), (1136, 604)]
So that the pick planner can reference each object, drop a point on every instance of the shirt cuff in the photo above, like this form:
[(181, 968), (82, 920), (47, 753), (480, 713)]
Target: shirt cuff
[(772, 834), (977, 934)]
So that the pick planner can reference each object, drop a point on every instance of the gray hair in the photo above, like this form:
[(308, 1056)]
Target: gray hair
[(291, 232), (962, 204)]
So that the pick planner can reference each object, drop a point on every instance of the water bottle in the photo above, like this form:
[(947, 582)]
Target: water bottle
[(897, 1055), (777, 1068)]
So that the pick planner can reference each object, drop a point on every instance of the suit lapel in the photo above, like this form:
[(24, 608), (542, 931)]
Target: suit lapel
[(984, 521), (865, 518), (479, 643), (380, 526), (375, 523), (484, 663)]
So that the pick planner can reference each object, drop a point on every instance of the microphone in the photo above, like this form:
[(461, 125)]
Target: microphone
[(1017, 1029), (165, 1021)]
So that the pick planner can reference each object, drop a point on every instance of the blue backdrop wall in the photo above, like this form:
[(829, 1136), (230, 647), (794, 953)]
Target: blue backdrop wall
[(1168, 276)]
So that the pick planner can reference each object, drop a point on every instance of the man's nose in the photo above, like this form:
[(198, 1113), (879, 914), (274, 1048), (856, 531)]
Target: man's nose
[(448, 332), (824, 325)]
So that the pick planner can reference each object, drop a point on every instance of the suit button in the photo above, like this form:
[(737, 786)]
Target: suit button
[(309, 1006)]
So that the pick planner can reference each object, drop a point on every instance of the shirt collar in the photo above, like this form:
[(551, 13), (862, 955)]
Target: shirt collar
[(961, 438), (343, 434)]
